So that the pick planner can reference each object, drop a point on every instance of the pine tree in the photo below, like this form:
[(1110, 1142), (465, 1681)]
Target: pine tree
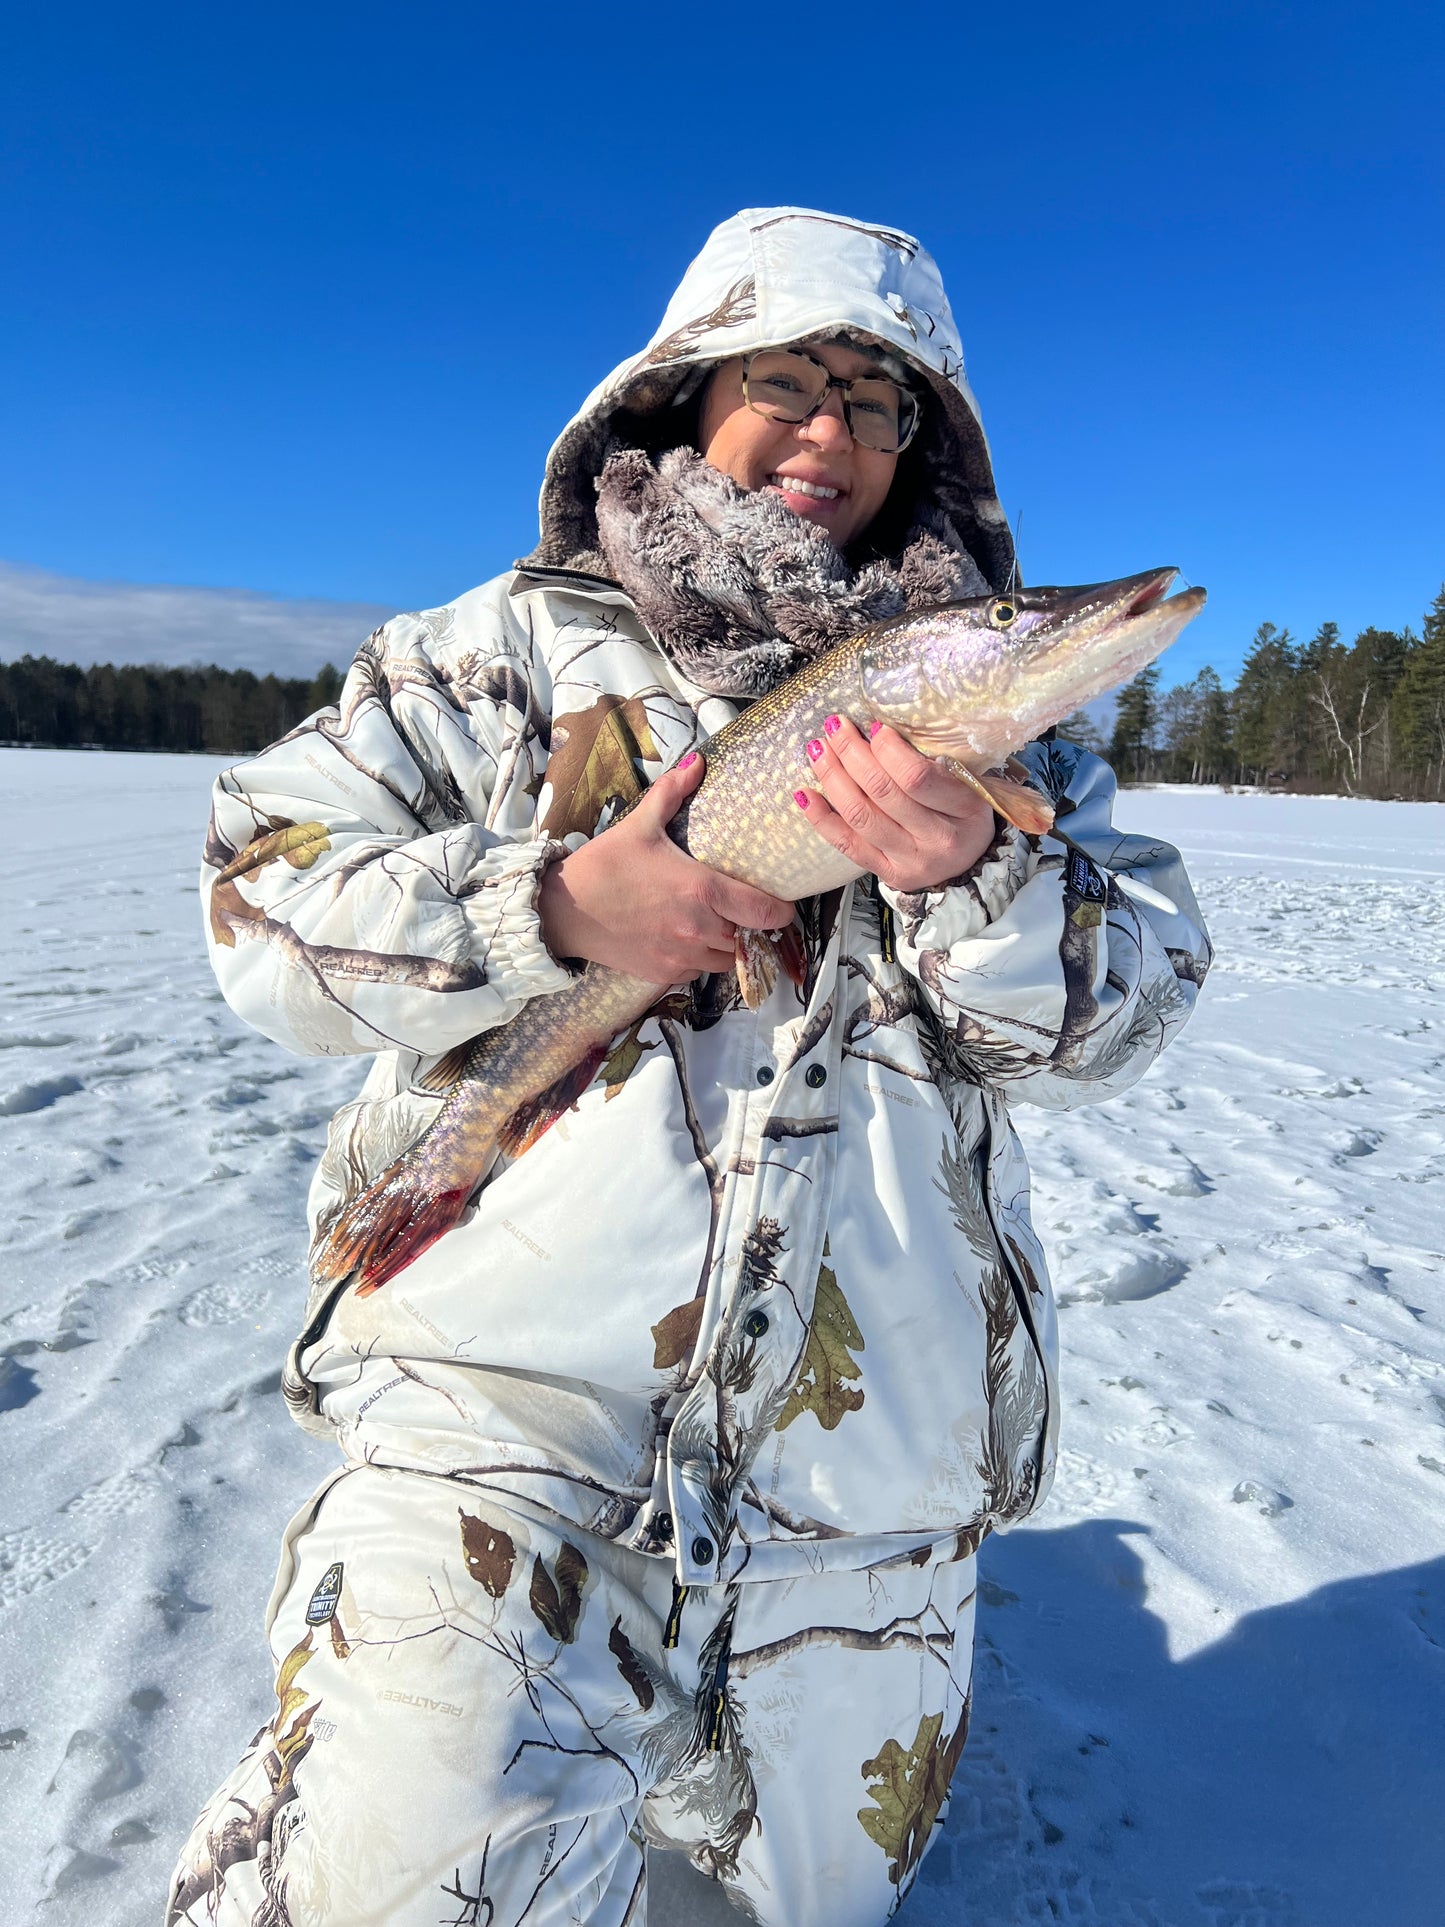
[(1265, 735), (1134, 723), (1418, 709), (1081, 728), (1176, 726)]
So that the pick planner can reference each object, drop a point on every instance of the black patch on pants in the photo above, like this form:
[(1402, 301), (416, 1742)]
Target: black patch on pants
[(324, 1599)]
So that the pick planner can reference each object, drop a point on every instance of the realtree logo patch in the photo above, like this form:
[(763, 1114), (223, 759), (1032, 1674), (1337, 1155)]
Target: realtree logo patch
[(323, 1600)]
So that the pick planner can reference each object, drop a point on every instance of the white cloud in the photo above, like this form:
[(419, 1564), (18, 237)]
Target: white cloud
[(84, 622)]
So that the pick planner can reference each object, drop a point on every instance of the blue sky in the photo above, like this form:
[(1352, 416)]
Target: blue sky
[(297, 298)]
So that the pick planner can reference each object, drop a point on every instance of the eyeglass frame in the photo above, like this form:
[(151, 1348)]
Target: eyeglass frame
[(833, 381)]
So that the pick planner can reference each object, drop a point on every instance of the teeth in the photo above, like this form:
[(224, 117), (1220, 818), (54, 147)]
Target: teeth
[(791, 485)]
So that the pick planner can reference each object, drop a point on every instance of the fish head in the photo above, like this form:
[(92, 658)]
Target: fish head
[(978, 679)]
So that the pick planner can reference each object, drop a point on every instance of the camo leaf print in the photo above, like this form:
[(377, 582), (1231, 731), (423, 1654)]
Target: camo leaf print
[(298, 843), (674, 1337), (558, 1602), (290, 1698), (824, 1385), (630, 1666), (595, 763), (626, 1056), (909, 1790), (490, 1554)]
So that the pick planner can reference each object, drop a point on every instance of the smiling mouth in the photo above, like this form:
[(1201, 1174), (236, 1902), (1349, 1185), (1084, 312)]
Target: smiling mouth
[(795, 485)]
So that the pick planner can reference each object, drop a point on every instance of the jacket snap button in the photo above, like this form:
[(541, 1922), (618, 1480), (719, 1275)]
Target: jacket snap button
[(816, 1076), (765, 1073), (702, 1550), (662, 1526), (755, 1324)]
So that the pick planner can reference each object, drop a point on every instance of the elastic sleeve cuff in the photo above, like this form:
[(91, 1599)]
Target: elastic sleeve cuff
[(968, 903), (500, 908)]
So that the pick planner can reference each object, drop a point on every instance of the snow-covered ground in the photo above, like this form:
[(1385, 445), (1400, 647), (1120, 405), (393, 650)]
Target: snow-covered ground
[(1211, 1679)]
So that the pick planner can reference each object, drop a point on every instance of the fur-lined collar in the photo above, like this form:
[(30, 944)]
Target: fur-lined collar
[(739, 590)]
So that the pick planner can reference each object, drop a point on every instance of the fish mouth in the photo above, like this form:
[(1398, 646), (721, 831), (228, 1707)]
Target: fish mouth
[(1119, 626), (1153, 589), (1086, 641), (1103, 606)]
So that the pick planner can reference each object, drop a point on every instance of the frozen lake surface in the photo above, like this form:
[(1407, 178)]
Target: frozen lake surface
[(1211, 1677)]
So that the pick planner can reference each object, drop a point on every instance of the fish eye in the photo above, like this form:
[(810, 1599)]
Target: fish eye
[(1002, 613)]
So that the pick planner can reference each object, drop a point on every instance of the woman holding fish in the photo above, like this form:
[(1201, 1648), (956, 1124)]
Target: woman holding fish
[(675, 1303)]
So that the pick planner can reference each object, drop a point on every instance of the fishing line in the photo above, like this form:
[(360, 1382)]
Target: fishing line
[(1013, 574)]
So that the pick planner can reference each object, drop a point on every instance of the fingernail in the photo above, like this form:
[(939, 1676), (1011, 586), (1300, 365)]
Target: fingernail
[(685, 762), (873, 728), (800, 797), (833, 725), (815, 750)]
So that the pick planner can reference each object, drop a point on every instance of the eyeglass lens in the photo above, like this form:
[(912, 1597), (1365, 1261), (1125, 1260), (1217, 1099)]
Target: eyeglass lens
[(790, 388)]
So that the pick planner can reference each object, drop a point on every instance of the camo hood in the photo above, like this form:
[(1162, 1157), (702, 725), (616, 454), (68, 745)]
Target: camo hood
[(765, 278)]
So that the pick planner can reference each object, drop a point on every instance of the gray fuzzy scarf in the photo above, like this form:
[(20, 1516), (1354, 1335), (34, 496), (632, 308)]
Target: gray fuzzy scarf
[(741, 592)]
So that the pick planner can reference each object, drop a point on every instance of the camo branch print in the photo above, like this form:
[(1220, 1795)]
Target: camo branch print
[(481, 1721)]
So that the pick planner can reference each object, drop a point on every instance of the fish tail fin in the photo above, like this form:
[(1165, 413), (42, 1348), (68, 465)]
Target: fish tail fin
[(384, 1228)]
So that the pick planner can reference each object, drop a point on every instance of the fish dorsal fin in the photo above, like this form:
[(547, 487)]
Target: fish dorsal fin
[(446, 1073), (1016, 800)]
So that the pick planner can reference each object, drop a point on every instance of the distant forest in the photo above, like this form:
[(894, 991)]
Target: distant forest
[(1366, 717), (227, 711)]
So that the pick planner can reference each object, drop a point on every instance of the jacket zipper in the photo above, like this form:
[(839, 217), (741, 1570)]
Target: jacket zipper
[(672, 1630)]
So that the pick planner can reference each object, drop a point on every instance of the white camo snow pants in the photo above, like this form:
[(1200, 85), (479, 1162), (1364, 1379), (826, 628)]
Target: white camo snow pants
[(481, 1721)]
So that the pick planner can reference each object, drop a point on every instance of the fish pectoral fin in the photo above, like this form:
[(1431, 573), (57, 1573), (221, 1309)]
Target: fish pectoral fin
[(536, 1115), (760, 954), (1018, 802), (791, 953), (446, 1073)]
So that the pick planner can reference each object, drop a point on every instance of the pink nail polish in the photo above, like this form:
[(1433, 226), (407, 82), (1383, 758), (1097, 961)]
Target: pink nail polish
[(815, 750), (800, 797), (833, 725), (686, 762), (873, 728)]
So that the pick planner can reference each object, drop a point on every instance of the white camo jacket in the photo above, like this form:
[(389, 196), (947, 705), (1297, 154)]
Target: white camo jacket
[(768, 1300)]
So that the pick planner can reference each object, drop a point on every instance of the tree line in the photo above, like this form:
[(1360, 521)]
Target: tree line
[(1366, 717), (111, 706)]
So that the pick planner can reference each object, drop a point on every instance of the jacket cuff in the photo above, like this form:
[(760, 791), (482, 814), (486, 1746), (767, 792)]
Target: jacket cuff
[(500, 909), (965, 905)]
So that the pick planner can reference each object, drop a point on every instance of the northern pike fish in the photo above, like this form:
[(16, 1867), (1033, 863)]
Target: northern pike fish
[(969, 682)]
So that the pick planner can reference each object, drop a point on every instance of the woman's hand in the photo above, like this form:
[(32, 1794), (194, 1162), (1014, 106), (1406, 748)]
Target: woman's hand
[(892, 811), (631, 899)]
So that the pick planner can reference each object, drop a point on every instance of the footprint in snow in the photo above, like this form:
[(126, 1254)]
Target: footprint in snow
[(116, 1497), (25, 1099), (96, 1767), (1234, 1903), (222, 1305), (1266, 1499), (1120, 1277), (29, 1561), (1355, 1144), (18, 1385), (1082, 1484), (1184, 1180)]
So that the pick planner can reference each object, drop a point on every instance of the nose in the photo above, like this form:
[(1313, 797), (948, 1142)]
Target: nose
[(828, 428)]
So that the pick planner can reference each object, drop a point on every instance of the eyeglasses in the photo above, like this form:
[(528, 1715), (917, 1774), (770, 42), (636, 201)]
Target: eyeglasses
[(788, 386)]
